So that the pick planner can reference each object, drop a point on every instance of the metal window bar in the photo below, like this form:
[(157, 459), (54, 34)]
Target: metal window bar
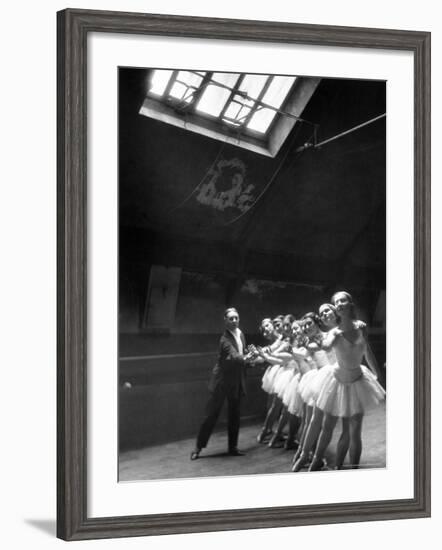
[(258, 100), (233, 91), (207, 79), (196, 90), (258, 103), (170, 84)]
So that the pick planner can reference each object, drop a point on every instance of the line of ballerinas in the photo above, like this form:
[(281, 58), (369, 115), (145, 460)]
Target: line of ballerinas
[(315, 377)]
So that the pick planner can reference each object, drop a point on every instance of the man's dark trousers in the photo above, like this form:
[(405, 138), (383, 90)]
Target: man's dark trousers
[(213, 410)]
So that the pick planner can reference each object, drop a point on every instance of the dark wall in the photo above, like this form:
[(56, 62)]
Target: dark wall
[(324, 205), (167, 397)]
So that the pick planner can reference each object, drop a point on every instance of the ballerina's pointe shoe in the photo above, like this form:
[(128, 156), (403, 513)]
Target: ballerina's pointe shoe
[(263, 434), (317, 464), (276, 441), (195, 454)]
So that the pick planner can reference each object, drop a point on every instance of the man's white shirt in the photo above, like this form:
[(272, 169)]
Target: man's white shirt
[(237, 335)]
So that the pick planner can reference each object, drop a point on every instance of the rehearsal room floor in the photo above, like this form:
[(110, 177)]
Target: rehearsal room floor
[(172, 460)]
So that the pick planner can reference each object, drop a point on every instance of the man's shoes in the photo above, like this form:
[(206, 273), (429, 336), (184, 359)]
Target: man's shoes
[(236, 452), (195, 454)]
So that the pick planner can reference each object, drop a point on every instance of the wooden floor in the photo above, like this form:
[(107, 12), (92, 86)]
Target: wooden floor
[(172, 460)]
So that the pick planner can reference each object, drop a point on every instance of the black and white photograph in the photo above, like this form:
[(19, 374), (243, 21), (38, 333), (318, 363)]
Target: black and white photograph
[(252, 274)]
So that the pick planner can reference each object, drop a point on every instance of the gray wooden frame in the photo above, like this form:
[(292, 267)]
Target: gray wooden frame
[(73, 28)]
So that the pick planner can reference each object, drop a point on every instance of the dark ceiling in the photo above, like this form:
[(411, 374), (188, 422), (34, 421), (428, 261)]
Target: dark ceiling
[(318, 215)]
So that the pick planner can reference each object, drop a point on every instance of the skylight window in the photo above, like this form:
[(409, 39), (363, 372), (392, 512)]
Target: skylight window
[(248, 102), (253, 111)]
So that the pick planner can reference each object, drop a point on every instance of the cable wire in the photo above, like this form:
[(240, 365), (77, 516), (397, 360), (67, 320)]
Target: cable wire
[(337, 136)]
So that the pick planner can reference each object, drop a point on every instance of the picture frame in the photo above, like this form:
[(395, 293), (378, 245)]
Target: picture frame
[(73, 28)]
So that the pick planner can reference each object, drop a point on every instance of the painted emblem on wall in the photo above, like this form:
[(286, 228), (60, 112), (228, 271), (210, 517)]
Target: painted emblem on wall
[(225, 186)]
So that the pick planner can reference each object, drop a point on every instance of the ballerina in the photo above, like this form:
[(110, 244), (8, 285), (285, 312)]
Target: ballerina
[(288, 357), (318, 359), (273, 337), (291, 398), (346, 389), (283, 358), (274, 407)]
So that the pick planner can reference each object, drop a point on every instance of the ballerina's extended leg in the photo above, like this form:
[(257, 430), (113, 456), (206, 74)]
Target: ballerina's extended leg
[(277, 437), (355, 439), (272, 414), (343, 444), (323, 442), (313, 430)]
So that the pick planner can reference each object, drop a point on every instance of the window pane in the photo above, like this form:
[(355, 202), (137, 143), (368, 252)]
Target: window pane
[(213, 100), (214, 97), (236, 112), (233, 109), (261, 120), (252, 84), (179, 90), (228, 79), (159, 81), (278, 90), (239, 107), (185, 84), (275, 96), (190, 78)]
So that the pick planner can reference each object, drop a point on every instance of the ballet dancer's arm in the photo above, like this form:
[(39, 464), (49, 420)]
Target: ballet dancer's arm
[(280, 345), (274, 345), (285, 356), (299, 353), (270, 358), (330, 337)]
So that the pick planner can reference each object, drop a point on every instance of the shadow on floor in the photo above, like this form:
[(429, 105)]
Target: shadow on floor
[(48, 526)]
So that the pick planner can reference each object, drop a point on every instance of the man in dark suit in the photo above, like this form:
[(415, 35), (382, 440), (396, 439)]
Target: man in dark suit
[(227, 382)]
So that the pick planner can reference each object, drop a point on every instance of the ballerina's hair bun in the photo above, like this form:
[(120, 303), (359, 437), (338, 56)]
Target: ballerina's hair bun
[(311, 315)]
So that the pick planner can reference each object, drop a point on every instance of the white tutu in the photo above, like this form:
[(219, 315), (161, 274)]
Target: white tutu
[(268, 379), (291, 398), (283, 379), (345, 398), (305, 389), (266, 385)]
